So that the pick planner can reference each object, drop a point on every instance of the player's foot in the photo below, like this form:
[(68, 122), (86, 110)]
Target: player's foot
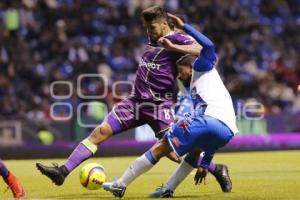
[(15, 186), (55, 173), (161, 192), (223, 178), (116, 189)]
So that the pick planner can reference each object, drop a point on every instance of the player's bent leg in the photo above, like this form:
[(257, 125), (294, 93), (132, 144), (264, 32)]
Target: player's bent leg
[(161, 148), (172, 155), (190, 161), (221, 135), (140, 166), (88, 146), (82, 152), (163, 120), (100, 133)]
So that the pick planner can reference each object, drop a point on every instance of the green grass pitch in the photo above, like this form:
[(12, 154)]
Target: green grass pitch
[(255, 175)]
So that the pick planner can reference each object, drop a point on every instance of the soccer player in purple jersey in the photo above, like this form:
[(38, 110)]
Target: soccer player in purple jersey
[(12, 182), (150, 102)]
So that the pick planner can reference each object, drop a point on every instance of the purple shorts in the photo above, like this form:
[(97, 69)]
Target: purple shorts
[(132, 112)]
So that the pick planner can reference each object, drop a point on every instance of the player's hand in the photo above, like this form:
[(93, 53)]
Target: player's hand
[(172, 156), (178, 22), (200, 176), (166, 43)]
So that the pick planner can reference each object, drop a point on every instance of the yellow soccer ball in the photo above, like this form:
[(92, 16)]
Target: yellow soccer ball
[(92, 176)]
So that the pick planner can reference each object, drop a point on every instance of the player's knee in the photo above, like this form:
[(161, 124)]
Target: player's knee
[(161, 149), (101, 133), (172, 156)]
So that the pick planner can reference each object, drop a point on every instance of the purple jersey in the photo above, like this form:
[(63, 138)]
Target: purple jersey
[(155, 78), (156, 74)]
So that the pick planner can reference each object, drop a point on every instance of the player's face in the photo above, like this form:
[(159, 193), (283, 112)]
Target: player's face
[(155, 30), (185, 74)]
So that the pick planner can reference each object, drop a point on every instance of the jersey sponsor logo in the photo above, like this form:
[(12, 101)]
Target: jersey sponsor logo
[(149, 65)]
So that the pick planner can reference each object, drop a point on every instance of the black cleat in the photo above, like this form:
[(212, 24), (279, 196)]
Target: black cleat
[(161, 192), (55, 173), (223, 178)]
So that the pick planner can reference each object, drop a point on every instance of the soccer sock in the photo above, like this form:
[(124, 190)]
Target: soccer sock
[(212, 166), (83, 151), (4, 172), (141, 165), (195, 163), (182, 171)]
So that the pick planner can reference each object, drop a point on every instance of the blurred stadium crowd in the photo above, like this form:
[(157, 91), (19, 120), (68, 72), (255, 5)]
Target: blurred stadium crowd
[(258, 42)]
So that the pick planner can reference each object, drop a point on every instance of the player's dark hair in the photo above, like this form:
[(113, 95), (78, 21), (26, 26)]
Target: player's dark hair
[(186, 60), (153, 13)]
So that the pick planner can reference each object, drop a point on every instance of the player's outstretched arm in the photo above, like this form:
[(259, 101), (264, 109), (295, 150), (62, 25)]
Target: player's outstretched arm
[(199, 37), (208, 58)]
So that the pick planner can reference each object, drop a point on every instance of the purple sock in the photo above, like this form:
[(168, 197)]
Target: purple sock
[(194, 163), (212, 166), (80, 154), (3, 170)]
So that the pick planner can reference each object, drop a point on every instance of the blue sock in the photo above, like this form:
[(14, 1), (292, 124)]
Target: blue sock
[(151, 157), (196, 162)]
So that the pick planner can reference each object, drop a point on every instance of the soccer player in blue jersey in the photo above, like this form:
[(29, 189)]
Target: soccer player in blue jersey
[(212, 125), (184, 109)]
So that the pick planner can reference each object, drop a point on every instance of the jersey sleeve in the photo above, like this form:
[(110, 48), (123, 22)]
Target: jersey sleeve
[(199, 37), (181, 39), (207, 58)]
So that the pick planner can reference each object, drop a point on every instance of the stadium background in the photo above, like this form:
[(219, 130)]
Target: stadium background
[(56, 41)]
